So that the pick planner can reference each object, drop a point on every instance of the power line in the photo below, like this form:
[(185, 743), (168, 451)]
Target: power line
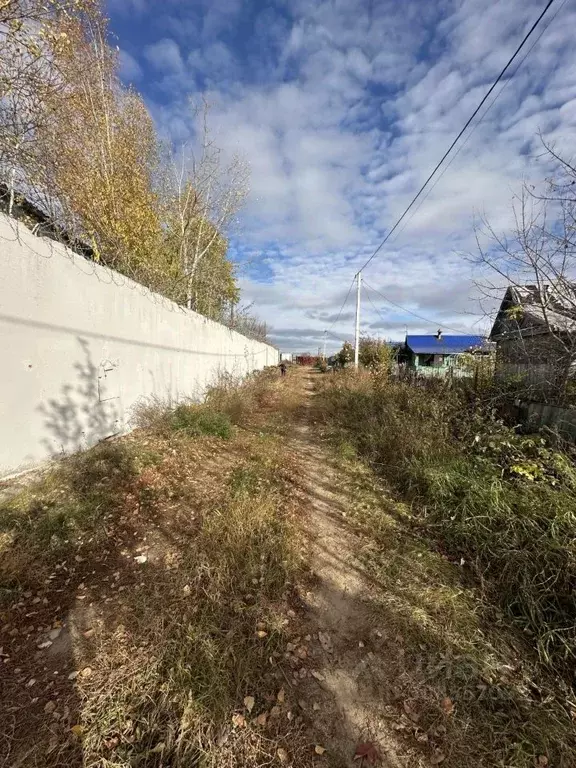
[(455, 141), (374, 307), (343, 305), (335, 336), (488, 108), (409, 312)]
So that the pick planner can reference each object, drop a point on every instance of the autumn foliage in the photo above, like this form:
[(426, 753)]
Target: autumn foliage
[(85, 149)]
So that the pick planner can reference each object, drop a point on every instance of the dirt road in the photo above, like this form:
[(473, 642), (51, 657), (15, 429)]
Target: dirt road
[(354, 686)]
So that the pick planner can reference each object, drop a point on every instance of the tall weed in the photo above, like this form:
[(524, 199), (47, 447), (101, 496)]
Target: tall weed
[(504, 503)]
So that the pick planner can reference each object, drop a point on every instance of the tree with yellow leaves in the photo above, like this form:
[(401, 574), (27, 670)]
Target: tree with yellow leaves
[(206, 189), (88, 149), (30, 37), (102, 154)]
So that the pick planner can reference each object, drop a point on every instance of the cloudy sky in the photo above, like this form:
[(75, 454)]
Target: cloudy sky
[(342, 108)]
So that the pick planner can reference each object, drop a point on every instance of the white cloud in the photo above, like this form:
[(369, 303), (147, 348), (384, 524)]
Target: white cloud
[(127, 7), (165, 56), (130, 70), (356, 107)]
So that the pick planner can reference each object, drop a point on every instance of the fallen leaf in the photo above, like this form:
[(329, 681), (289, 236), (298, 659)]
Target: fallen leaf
[(50, 707), (367, 751), (261, 633), (319, 750), (281, 696), (542, 761), (86, 672), (325, 642), (261, 719), (141, 559), (112, 743), (315, 706), (77, 730), (73, 675), (249, 703), (412, 714), (437, 758), (448, 705), (282, 755), (238, 720)]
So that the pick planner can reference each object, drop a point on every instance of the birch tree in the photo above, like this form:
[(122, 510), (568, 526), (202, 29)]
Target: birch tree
[(31, 38), (102, 154), (207, 190)]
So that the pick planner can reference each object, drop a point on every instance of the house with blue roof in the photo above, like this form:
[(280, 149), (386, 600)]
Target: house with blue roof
[(439, 354)]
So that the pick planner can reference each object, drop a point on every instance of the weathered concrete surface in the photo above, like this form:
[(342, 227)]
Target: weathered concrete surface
[(82, 345)]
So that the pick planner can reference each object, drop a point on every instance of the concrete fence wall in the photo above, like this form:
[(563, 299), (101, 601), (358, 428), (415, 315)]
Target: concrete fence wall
[(82, 345)]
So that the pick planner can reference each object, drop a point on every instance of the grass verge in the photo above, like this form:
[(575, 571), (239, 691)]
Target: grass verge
[(160, 566), (473, 536)]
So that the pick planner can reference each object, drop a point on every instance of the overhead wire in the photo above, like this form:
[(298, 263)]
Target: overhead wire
[(343, 305), (409, 312), (459, 135), (479, 122), (336, 336)]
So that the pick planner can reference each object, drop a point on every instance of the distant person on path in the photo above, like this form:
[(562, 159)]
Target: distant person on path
[(283, 368)]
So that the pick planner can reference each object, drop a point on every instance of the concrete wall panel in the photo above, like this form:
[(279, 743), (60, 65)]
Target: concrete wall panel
[(82, 344)]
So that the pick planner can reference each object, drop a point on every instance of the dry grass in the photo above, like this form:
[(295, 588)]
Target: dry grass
[(468, 681), (169, 558)]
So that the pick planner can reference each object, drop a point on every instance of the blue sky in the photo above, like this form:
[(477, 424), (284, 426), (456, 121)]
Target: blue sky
[(342, 107)]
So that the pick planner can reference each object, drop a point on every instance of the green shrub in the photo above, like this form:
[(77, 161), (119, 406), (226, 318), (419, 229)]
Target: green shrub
[(196, 420)]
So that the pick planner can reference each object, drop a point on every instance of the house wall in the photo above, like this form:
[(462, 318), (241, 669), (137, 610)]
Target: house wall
[(540, 349), (540, 362), (83, 345)]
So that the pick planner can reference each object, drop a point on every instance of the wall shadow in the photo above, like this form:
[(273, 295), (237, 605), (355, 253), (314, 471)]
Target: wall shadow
[(79, 417)]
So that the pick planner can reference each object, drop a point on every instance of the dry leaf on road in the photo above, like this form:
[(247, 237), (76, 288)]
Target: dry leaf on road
[(281, 696), (411, 712), (238, 720), (249, 703), (325, 642), (319, 750), (367, 751), (282, 755), (448, 705)]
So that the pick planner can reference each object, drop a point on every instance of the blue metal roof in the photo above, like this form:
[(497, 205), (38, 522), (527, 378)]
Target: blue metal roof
[(447, 345)]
